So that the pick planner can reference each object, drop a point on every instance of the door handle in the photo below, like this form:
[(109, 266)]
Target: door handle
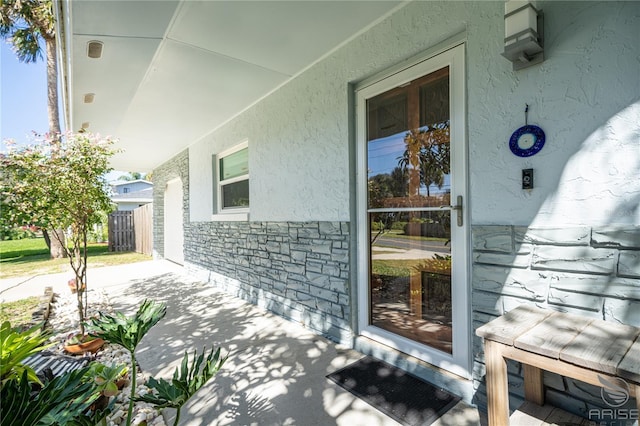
[(457, 208)]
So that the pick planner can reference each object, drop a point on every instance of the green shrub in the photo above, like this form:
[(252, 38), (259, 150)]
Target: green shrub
[(19, 233), (15, 346), (398, 226), (74, 398), (99, 232)]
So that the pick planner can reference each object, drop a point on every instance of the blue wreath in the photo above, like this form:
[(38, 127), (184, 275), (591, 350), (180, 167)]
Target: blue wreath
[(539, 138)]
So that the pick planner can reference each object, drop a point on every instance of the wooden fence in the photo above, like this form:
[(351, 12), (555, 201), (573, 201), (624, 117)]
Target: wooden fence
[(121, 235), (143, 229), (132, 230)]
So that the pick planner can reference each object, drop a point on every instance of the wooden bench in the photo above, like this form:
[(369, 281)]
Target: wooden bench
[(582, 348)]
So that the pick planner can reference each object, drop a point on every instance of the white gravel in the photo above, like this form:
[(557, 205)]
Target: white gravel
[(64, 321)]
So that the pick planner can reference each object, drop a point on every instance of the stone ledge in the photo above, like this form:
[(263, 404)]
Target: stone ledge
[(494, 238), (575, 259), (579, 236), (623, 238)]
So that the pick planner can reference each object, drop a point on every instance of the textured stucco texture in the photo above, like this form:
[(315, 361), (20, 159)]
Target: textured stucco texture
[(584, 96)]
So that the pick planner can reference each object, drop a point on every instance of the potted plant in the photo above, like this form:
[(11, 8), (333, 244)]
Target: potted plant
[(26, 399), (87, 395), (78, 343), (435, 276), (109, 381), (74, 287)]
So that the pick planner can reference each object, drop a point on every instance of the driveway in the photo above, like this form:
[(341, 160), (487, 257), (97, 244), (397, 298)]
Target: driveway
[(105, 277)]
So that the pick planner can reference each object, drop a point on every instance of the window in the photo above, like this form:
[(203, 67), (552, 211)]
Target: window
[(125, 190), (233, 179)]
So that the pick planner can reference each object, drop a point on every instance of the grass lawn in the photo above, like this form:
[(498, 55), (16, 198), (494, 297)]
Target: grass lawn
[(19, 312), (393, 267), (395, 233), (31, 257)]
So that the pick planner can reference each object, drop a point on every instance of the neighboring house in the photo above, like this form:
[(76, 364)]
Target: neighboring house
[(278, 165), (122, 187), (129, 195)]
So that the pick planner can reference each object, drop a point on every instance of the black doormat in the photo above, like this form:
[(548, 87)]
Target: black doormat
[(398, 394)]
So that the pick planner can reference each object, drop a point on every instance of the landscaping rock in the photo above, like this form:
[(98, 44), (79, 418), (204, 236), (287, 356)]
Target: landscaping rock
[(63, 320)]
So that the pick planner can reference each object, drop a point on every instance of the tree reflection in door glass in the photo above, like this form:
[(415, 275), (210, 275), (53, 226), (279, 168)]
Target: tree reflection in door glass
[(411, 275), (409, 182)]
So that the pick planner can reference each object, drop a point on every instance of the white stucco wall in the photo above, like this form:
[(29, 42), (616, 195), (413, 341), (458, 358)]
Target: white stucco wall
[(590, 76), (299, 136), (201, 181)]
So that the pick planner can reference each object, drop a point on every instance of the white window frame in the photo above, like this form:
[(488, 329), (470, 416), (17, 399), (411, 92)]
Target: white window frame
[(229, 214)]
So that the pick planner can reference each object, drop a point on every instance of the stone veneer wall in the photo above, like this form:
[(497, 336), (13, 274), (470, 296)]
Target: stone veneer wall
[(588, 271), (177, 167), (300, 270), (297, 270)]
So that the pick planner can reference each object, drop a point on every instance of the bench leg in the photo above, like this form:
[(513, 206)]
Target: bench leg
[(533, 384), (497, 384)]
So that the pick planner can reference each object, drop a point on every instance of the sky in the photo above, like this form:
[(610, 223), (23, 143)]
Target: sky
[(23, 94), (383, 155)]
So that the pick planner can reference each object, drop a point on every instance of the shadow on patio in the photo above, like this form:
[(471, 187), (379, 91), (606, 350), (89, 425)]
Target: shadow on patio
[(276, 370), (275, 374)]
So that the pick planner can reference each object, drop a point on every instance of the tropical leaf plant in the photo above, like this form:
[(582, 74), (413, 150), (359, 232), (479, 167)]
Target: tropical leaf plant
[(187, 380), (128, 332), (59, 402), (17, 345), (106, 377)]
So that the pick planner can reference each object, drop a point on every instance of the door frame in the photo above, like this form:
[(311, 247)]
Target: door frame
[(459, 362)]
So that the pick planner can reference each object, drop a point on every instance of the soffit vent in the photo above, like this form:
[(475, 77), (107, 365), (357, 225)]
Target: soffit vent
[(94, 49)]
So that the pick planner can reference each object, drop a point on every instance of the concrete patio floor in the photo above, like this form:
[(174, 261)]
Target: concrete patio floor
[(275, 373)]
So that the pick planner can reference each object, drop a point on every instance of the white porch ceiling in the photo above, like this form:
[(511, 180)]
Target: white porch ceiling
[(173, 71)]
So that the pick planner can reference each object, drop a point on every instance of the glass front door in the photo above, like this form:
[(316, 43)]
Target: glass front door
[(415, 279)]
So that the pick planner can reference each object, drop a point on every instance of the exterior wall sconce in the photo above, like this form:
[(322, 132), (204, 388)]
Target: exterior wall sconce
[(523, 31), (94, 49)]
